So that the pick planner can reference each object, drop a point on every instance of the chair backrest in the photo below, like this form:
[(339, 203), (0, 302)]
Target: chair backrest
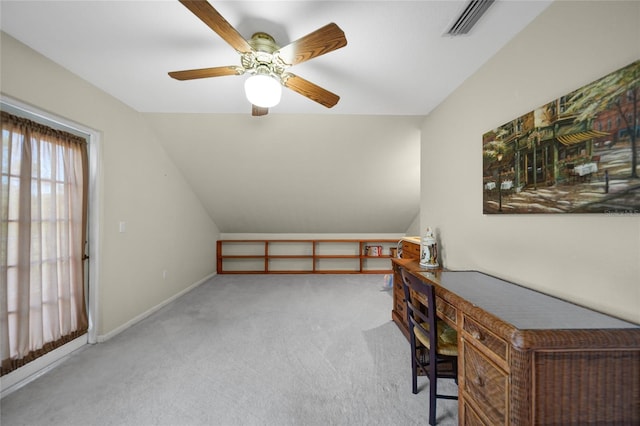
[(416, 316)]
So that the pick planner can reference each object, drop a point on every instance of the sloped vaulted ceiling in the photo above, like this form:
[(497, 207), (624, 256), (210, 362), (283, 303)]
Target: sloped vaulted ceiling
[(299, 173)]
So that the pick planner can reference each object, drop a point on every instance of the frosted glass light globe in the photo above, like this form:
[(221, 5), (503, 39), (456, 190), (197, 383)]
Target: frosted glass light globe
[(263, 91)]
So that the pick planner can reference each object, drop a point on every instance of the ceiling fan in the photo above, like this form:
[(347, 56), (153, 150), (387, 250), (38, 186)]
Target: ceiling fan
[(265, 60)]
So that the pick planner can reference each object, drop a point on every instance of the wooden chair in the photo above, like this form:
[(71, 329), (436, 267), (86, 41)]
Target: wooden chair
[(438, 360)]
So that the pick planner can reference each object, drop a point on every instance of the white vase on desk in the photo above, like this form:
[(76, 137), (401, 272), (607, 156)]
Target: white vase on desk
[(428, 250)]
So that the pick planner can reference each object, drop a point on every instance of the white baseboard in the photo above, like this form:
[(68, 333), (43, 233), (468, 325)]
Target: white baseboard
[(104, 337), (29, 372)]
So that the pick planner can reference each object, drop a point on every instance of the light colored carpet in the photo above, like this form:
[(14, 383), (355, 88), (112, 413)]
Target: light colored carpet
[(244, 350)]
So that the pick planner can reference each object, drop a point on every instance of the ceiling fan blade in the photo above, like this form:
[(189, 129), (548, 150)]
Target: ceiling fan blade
[(324, 40), (257, 111), (310, 90), (206, 72), (210, 16)]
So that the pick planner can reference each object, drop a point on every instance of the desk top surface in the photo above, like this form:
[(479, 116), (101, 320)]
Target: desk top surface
[(524, 308)]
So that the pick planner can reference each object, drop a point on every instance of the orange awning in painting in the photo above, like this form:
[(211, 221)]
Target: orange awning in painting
[(575, 138)]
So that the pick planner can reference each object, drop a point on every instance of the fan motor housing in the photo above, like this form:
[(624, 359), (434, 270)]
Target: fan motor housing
[(262, 57), (263, 42)]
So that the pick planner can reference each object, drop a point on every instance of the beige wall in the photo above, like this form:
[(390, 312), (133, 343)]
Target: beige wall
[(592, 260), (166, 226)]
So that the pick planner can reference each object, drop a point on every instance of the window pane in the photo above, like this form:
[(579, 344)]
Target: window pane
[(12, 243), (14, 200), (16, 154)]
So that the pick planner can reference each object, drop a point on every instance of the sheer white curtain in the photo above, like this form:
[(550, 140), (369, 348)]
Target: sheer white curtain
[(42, 237)]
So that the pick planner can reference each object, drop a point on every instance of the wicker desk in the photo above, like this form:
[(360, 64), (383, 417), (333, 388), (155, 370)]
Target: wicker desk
[(528, 358)]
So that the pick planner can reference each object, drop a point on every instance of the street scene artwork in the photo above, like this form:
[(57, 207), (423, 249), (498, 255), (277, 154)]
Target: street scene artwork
[(576, 154)]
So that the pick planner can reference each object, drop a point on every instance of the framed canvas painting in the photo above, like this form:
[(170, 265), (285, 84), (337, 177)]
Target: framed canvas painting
[(576, 154)]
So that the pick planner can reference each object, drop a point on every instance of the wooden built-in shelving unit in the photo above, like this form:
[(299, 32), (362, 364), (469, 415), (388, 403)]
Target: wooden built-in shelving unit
[(316, 256)]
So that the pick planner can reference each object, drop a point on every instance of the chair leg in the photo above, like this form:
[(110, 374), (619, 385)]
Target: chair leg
[(433, 389), (455, 370), (414, 370)]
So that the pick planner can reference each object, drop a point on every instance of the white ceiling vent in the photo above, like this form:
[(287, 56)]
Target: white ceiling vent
[(469, 17)]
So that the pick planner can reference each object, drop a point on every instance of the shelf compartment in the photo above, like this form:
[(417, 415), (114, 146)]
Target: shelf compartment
[(243, 264), (245, 248), (384, 245), (290, 248), (337, 248), (290, 264), (333, 264)]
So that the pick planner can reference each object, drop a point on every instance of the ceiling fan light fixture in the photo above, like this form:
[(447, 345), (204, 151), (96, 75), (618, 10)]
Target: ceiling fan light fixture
[(263, 90), (265, 62)]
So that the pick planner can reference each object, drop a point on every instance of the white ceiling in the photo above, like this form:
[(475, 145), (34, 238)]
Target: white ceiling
[(397, 61)]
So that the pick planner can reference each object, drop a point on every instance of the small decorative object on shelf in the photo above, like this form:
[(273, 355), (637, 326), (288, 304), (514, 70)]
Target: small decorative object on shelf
[(373, 251), (428, 250)]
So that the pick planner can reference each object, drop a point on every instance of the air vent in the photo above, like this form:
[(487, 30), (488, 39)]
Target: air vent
[(469, 17)]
